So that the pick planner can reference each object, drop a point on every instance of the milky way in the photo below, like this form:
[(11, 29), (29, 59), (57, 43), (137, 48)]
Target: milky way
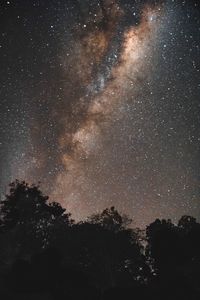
[(100, 102)]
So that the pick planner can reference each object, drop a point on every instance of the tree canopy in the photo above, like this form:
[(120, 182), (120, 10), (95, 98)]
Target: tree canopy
[(43, 250)]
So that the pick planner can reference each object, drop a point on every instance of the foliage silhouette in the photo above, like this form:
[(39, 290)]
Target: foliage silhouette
[(28, 220), (44, 254)]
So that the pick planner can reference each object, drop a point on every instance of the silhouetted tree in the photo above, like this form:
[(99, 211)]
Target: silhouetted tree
[(109, 250), (28, 220), (190, 233), (110, 219), (187, 223), (45, 253), (164, 246)]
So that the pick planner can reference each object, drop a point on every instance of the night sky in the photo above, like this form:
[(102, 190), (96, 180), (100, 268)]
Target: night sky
[(100, 101)]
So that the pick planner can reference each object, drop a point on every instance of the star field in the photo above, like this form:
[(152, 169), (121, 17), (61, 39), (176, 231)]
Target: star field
[(99, 101)]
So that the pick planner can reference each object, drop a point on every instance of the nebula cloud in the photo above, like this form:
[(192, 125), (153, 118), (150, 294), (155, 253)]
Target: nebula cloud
[(100, 105)]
